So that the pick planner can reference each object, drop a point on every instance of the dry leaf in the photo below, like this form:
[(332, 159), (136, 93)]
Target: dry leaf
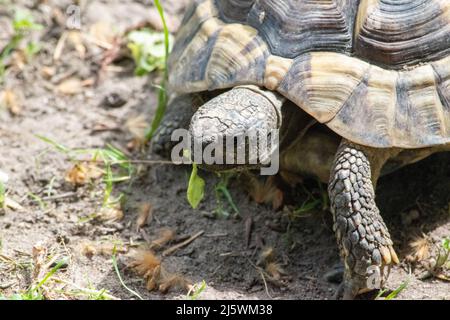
[(165, 236), (19, 59), (70, 86), (77, 175), (60, 46), (266, 256), (138, 127), (89, 249), (76, 40), (39, 253), (144, 262), (145, 212), (108, 249), (275, 270), (147, 265), (266, 192), (421, 249), (11, 101), (110, 214), (80, 174), (48, 72)]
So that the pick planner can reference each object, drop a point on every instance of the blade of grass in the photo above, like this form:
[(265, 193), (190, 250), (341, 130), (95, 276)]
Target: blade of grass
[(162, 96), (397, 291), (50, 273), (116, 268), (58, 146), (226, 193), (197, 290), (109, 185), (39, 200)]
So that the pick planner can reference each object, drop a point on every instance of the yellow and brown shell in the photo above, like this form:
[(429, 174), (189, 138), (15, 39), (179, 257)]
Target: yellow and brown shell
[(377, 72)]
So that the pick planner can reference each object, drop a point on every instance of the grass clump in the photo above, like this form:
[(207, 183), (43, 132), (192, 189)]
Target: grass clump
[(35, 292), (22, 24), (116, 168)]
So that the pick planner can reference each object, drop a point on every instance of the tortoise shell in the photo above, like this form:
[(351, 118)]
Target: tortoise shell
[(376, 72)]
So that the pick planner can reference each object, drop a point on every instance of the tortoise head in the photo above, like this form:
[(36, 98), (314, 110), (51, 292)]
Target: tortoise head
[(237, 130)]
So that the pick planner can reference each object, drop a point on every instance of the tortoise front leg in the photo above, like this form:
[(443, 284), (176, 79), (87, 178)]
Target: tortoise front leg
[(364, 241)]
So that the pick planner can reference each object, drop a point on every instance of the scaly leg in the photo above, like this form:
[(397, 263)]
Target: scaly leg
[(364, 241)]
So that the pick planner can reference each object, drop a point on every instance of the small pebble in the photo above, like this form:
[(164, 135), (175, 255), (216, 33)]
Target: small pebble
[(114, 100)]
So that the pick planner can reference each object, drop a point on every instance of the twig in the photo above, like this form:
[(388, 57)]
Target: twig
[(60, 46), (143, 162), (216, 235), (265, 284), (182, 244), (261, 272), (60, 196)]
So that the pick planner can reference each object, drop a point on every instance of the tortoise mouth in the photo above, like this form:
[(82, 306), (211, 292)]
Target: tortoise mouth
[(247, 150)]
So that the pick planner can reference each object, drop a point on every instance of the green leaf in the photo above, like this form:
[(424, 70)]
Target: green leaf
[(24, 21), (446, 244), (148, 49), (196, 188)]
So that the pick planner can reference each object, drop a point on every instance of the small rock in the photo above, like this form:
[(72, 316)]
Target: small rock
[(114, 100)]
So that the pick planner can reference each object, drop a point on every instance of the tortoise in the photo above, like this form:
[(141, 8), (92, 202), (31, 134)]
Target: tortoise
[(359, 88)]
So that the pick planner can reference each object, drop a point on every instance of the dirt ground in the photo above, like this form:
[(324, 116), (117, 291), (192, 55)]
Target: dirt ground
[(51, 213)]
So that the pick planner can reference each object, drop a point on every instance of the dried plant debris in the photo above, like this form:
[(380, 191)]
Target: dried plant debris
[(420, 249), (73, 85), (267, 255), (266, 192), (11, 101), (110, 213), (145, 215), (150, 267), (275, 270), (107, 249), (138, 127), (165, 236), (83, 173), (270, 268), (438, 265), (39, 254)]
